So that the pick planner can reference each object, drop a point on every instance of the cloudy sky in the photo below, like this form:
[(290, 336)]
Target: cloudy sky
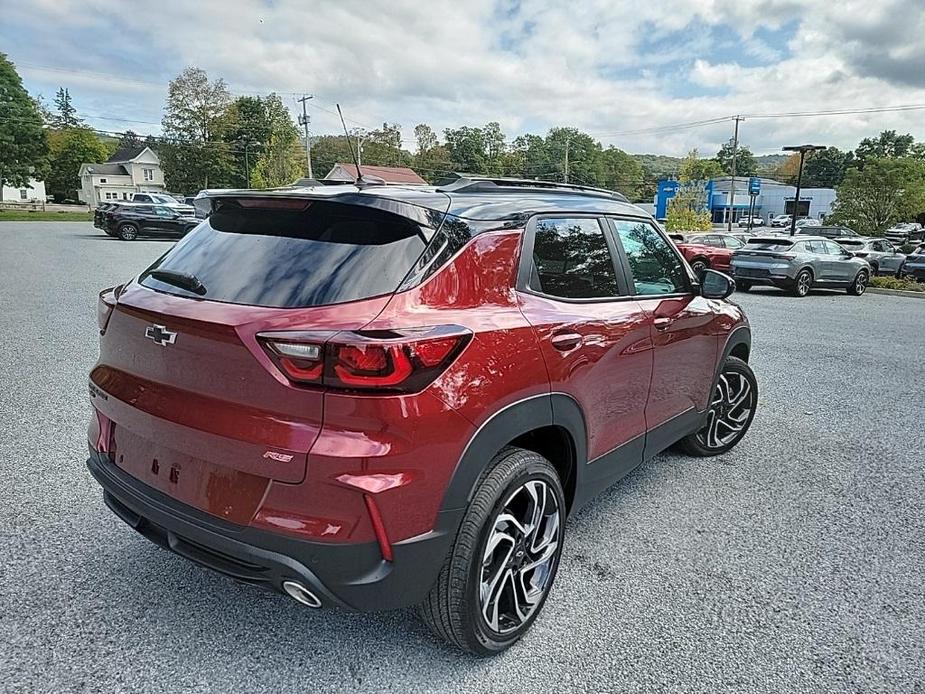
[(619, 69)]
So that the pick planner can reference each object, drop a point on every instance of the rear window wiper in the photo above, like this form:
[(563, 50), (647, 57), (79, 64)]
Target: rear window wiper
[(184, 280)]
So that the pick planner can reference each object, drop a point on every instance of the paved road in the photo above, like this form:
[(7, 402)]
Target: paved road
[(793, 564)]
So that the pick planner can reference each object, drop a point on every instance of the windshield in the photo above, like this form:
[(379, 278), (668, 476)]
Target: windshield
[(323, 253)]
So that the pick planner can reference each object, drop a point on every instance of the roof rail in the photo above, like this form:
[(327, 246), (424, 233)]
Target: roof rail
[(471, 183)]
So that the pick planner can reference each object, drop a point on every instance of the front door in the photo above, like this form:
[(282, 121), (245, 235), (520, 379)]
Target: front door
[(594, 337), (683, 333)]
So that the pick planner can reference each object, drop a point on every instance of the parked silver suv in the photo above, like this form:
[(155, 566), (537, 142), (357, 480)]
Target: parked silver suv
[(882, 255), (798, 264)]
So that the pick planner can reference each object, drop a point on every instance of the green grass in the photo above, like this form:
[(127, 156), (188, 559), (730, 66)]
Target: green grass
[(28, 216), (905, 285)]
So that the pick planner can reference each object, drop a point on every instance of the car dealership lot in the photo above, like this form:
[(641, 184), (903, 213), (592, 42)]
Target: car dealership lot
[(793, 563)]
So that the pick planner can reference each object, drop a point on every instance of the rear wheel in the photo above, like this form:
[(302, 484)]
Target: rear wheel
[(698, 265), (128, 232), (732, 409), (859, 286), (499, 571), (802, 283)]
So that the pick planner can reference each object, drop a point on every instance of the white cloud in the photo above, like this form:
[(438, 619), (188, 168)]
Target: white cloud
[(604, 66)]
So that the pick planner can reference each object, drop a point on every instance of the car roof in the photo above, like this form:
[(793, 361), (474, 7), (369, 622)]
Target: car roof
[(473, 198)]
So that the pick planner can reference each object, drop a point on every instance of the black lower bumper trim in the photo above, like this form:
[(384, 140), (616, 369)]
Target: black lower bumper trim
[(353, 576)]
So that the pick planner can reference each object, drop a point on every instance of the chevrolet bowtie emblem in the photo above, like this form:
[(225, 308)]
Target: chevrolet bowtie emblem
[(160, 334)]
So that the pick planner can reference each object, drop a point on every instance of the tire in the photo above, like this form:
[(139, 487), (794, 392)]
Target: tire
[(454, 608), (859, 286), (128, 232), (726, 422), (743, 285), (802, 284), (698, 265)]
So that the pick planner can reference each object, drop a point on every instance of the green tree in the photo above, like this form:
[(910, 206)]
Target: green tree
[(527, 157), (130, 140), (23, 142), (826, 168), (889, 144), (688, 210), (328, 150), (69, 149), (583, 157), (466, 148), (65, 115), (693, 168), (617, 170), (494, 149), (746, 165), (884, 192), (280, 161), (260, 133), (194, 154)]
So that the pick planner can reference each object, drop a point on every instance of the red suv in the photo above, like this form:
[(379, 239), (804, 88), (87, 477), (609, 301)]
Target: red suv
[(704, 251), (375, 397)]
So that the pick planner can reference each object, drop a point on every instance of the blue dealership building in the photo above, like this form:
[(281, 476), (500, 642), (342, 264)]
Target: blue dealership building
[(773, 198)]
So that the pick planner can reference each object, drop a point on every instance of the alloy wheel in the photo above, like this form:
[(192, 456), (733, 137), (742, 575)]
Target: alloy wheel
[(730, 409), (803, 283), (860, 283), (520, 557)]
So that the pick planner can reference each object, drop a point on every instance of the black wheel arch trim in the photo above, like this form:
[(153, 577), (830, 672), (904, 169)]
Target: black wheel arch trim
[(505, 425)]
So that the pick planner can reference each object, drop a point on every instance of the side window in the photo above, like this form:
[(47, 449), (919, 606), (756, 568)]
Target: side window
[(802, 247), (571, 260), (655, 265), (832, 248), (816, 247), (732, 242)]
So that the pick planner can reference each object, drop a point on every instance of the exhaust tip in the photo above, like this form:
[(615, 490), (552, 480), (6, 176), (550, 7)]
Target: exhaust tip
[(301, 594)]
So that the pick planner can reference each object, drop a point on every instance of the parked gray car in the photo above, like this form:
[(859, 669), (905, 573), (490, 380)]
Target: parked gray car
[(883, 256), (798, 264)]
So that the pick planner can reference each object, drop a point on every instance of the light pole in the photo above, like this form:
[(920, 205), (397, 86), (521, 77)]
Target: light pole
[(802, 149)]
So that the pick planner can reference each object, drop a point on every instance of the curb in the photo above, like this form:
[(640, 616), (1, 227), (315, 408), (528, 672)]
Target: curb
[(896, 292)]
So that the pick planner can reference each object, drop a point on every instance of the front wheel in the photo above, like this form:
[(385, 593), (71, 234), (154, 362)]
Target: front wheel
[(732, 409), (859, 286), (499, 571), (743, 285)]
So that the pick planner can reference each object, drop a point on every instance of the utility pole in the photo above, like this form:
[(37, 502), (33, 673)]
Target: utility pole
[(360, 136), (304, 120), (247, 166), (732, 180), (802, 149), (568, 141)]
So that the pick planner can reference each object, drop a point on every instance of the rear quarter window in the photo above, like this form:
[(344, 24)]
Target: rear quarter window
[(325, 253)]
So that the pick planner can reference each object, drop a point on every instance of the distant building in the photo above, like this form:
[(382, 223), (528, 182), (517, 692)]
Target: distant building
[(33, 192), (130, 170), (774, 198), (392, 175)]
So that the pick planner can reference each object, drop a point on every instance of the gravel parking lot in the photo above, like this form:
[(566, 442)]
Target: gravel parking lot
[(793, 564)]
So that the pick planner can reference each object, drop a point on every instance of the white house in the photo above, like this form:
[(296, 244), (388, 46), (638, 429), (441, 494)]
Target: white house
[(33, 192), (130, 170)]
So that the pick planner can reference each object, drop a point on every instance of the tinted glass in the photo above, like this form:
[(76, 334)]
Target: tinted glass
[(732, 242), (572, 260), (326, 254), (768, 244), (655, 266)]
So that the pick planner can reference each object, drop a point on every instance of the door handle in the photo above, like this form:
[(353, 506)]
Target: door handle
[(662, 322), (566, 341)]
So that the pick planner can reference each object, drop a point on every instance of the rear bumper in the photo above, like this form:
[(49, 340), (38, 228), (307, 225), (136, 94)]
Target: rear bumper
[(353, 576)]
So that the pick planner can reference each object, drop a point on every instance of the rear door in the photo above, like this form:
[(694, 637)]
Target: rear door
[(200, 411), (594, 337), (682, 331), (837, 267)]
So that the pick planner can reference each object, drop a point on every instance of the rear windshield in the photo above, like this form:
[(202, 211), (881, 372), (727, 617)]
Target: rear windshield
[(768, 244), (326, 253)]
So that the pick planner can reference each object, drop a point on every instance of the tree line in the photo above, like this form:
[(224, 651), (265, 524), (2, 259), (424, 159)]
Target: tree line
[(212, 139)]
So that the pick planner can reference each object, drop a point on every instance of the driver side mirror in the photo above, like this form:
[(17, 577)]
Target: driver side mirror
[(716, 285)]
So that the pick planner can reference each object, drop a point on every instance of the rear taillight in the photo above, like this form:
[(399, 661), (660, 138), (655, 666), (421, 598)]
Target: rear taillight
[(105, 305), (395, 360)]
